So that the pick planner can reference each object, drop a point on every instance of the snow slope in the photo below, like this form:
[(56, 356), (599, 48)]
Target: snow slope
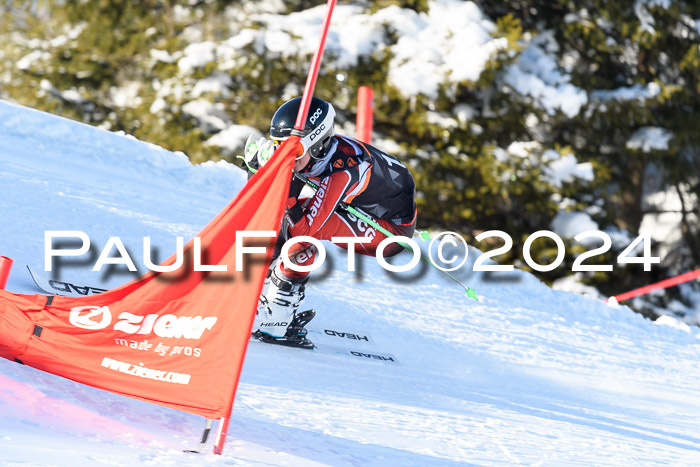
[(526, 375)]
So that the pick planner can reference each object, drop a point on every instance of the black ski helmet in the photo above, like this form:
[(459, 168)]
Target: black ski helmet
[(319, 128)]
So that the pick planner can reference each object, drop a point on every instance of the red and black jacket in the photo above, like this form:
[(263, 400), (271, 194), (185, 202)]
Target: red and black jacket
[(362, 176)]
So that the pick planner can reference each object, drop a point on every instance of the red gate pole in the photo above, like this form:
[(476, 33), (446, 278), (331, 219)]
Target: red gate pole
[(222, 428), (313, 71), (5, 266), (664, 284), (365, 117)]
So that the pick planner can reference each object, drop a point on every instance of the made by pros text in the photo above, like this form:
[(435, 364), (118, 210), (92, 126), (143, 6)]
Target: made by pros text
[(448, 251), (134, 331)]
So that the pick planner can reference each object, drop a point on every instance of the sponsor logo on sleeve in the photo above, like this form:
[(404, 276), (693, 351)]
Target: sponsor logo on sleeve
[(317, 202)]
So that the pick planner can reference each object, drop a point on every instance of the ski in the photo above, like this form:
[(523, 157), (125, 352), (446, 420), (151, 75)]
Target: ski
[(65, 289), (337, 335), (368, 355), (360, 354), (337, 340)]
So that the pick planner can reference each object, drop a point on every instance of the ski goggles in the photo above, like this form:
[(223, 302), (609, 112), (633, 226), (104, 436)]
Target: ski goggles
[(300, 147)]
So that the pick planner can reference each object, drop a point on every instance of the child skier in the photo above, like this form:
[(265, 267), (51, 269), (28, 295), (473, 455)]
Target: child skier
[(347, 172)]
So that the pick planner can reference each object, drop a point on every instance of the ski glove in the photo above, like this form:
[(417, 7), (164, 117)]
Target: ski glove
[(257, 153), (294, 212)]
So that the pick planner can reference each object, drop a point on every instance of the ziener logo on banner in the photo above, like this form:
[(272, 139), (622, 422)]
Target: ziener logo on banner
[(167, 326)]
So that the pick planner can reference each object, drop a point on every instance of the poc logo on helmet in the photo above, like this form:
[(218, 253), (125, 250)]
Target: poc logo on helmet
[(90, 317), (317, 132), (315, 116)]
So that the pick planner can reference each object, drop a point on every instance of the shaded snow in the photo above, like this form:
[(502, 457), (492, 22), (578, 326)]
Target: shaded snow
[(197, 55), (217, 83), (574, 283), (233, 138), (646, 19), (636, 92), (570, 224), (557, 168), (212, 117), (452, 43), (536, 74), (565, 168), (650, 138)]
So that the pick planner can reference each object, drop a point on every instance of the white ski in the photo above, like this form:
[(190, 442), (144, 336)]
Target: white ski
[(354, 343), (369, 355), (337, 335), (65, 289)]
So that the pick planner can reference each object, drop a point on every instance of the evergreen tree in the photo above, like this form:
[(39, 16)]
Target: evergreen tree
[(647, 49)]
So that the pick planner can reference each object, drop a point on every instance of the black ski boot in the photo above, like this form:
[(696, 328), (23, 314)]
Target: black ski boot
[(295, 335)]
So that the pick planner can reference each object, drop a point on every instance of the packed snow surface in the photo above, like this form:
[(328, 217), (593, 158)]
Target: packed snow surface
[(525, 375)]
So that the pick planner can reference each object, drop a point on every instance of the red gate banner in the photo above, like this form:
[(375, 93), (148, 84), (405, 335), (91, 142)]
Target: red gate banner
[(176, 339)]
